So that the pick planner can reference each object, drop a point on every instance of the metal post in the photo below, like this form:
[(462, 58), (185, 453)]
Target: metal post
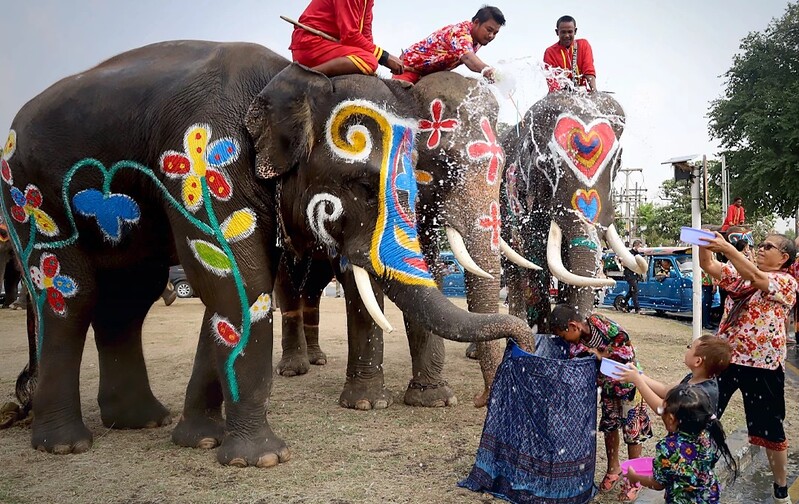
[(725, 190), (696, 222)]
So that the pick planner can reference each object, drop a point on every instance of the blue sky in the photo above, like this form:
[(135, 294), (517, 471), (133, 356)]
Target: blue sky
[(663, 60)]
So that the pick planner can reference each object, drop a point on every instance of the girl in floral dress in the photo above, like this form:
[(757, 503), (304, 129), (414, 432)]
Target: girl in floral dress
[(684, 459), (760, 297)]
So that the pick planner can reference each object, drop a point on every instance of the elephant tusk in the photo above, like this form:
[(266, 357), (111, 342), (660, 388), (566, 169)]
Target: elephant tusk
[(364, 285), (636, 263), (462, 255), (516, 257), (555, 263)]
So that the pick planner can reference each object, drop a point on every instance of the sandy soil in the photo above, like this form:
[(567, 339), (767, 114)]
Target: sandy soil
[(401, 454)]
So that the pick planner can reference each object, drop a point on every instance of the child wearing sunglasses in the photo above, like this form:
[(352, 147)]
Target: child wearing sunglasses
[(760, 297)]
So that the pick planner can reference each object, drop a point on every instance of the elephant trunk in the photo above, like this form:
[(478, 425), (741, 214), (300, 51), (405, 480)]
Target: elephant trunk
[(584, 278), (583, 262), (430, 308)]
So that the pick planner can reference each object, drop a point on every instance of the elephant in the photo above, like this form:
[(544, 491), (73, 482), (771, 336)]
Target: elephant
[(10, 274), (207, 154), (557, 201), (459, 172)]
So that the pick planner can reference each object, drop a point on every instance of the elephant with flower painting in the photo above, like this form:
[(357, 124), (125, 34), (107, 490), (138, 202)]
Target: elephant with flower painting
[(557, 204), (207, 154)]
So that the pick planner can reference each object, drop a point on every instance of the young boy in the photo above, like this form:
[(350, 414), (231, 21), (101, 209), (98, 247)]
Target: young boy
[(623, 407), (706, 358)]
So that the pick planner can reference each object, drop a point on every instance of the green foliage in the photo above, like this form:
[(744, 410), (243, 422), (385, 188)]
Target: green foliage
[(757, 118), (660, 225)]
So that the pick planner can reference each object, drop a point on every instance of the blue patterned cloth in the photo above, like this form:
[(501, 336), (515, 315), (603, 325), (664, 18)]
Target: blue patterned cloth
[(539, 436)]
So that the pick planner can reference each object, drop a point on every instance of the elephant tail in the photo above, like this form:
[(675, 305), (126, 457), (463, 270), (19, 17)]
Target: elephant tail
[(11, 413)]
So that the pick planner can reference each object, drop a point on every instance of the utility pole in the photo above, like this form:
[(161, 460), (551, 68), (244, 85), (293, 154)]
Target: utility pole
[(626, 200)]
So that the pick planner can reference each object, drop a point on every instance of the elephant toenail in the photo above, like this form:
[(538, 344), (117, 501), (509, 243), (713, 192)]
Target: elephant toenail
[(268, 460)]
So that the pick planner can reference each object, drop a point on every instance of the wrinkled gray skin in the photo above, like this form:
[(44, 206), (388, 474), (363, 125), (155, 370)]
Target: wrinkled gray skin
[(538, 188), (455, 190), (135, 107)]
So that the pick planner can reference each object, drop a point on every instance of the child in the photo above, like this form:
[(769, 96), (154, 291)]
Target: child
[(622, 407), (706, 358), (684, 459)]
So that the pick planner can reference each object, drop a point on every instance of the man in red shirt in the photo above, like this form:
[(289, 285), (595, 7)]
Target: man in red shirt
[(349, 21), (735, 214), (452, 45), (574, 57)]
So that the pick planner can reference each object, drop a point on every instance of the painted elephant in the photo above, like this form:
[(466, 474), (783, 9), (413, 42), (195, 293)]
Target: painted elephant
[(9, 269), (206, 154), (557, 202), (459, 172)]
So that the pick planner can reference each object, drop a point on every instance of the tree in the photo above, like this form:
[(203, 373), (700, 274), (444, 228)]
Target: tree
[(660, 225), (756, 118)]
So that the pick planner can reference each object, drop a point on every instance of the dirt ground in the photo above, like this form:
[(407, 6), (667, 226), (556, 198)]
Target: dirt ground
[(401, 454)]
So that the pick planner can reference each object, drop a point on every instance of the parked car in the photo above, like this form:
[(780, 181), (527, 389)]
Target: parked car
[(178, 278), (667, 285), (454, 282)]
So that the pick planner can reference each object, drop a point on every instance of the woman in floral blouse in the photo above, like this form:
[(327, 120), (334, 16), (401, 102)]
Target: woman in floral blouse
[(685, 458), (760, 297)]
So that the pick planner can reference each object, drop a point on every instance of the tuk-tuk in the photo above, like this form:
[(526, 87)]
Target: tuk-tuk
[(666, 287)]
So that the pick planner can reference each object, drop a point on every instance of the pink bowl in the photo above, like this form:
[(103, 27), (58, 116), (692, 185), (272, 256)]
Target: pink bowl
[(642, 466)]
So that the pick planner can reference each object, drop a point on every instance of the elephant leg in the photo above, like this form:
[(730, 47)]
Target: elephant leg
[(364, 388), (241, 324), (321, 274), (294, 360), (201, 425), (471, 351), (57, 425), (427, 386), (124, 298)]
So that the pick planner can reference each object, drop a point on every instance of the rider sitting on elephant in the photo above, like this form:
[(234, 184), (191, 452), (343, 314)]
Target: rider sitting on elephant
[(574, 57), (452, 45), (735, 214), (353, 52)]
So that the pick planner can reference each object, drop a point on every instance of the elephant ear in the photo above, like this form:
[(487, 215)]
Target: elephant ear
[(280, 119)]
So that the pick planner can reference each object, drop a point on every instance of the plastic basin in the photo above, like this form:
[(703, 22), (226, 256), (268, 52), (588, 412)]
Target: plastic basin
[(612, 368), (642, 466), (695, 236)]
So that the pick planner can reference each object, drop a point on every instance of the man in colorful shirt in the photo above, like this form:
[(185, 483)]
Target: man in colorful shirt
[(452, 45), (570, 58), (348, 21)]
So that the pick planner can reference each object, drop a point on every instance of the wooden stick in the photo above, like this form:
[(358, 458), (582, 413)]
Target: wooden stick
[(309, 29)]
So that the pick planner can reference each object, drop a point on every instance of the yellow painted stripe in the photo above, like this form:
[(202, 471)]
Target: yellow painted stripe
[(793, 491), (790, 367)]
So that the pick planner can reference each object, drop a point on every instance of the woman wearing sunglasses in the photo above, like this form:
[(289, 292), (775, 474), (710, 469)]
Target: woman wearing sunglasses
[(760, 297)]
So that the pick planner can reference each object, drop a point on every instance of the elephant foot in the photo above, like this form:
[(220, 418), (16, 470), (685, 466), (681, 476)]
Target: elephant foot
[(142, 414), (365, 394), (316, 356), (471, 351), (480, 400), (199, 432), (293, 364), (266, 451), (62, 439), (435, 395)]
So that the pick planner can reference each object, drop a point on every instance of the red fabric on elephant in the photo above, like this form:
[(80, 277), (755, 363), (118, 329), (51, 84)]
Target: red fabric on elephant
[(350, 21)]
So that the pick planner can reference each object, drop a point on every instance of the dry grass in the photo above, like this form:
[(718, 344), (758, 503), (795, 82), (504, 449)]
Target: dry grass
[(401, 454)]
